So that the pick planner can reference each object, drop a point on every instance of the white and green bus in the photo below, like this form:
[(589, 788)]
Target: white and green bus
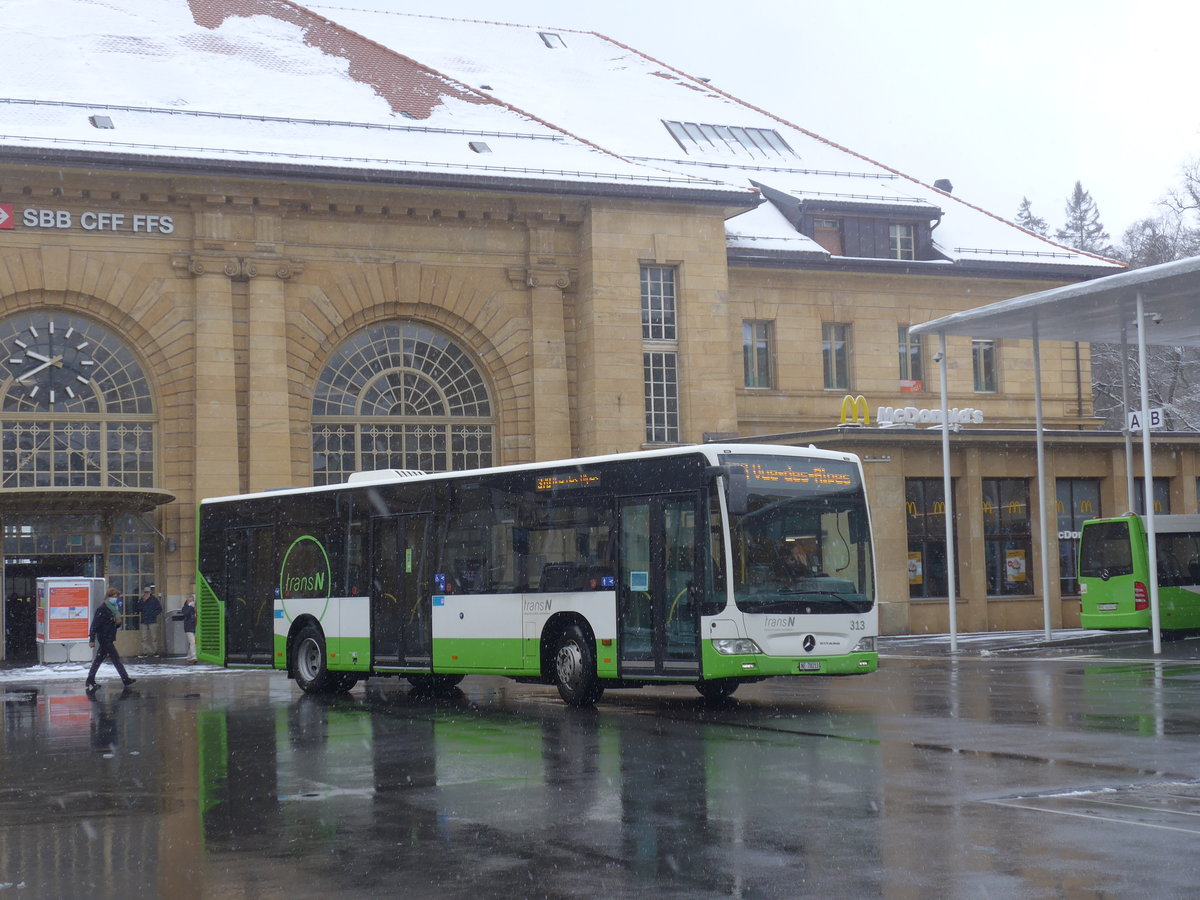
[(713, 565)]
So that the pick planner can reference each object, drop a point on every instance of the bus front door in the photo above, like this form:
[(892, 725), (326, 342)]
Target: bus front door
[(400, 600), (250, 595), (659, 586)]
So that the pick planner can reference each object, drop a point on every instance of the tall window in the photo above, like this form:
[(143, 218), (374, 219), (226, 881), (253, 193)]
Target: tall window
[(1008, 544), (1077, 499), (756, 354), (1161, 491), (400, 395), (660, 354), (912, 360), (983, 361), (925, 505), (902, 241), (658, 303), (835, 354)]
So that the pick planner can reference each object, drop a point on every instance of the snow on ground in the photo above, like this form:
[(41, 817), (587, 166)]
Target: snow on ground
[(77, 671)]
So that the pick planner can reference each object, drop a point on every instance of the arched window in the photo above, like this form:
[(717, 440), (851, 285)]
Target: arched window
[(75, 406), (400, 396)]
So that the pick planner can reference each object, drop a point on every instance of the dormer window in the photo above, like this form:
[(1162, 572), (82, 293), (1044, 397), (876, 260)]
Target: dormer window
[(902, 240)]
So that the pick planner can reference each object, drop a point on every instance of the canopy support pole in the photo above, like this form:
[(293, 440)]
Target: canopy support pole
[(948, 492), (1043, 482), (1148, 477)]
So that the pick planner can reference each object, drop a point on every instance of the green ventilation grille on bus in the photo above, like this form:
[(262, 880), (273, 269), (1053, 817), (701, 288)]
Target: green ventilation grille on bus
[(209, 633)]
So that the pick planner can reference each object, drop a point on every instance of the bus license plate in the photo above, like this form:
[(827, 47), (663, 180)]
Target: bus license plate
[(812, 666), (1106, 607)]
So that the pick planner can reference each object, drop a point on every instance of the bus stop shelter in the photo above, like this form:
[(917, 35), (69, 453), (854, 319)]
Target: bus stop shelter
[(1154, 305)]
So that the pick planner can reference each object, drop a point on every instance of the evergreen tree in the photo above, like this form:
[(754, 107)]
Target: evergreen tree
[(1083, 229), (1027, 220)]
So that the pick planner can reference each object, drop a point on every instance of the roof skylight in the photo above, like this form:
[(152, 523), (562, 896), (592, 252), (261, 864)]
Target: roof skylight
[(695, 137)]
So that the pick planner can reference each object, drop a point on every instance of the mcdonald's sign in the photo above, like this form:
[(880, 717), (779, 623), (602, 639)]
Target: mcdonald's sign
[(854, 411), (910, 507), (939, 507), (1015, 507), (1085, 506)]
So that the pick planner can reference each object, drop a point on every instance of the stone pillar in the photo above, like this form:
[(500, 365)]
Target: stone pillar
[(550, 425), (268, 410), (216, 441)]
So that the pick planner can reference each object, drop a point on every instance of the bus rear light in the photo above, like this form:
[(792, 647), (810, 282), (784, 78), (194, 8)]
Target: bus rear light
[(1141, 598)]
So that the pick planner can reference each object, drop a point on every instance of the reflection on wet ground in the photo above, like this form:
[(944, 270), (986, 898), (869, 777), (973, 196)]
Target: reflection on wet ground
[(936, 776)]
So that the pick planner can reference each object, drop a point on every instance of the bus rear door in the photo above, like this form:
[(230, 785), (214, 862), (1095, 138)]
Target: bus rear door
[(659, 586), (250, 595)]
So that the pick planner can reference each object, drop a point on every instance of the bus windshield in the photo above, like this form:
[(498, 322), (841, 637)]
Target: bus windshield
[(803, 545)]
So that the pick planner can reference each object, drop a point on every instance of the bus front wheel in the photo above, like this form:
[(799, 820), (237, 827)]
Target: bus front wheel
[(575, 667), (308, 662)]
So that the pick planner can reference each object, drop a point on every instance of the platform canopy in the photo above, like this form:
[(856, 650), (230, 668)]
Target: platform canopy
[(1155, 305), (1092, 310)]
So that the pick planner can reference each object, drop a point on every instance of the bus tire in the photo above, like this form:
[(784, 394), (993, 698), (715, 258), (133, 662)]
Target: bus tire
[(309, 666), (341, 682), (716, 690), (574, 662)]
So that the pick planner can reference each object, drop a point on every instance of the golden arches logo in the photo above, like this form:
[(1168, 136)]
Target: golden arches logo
[(854, 411), (939, 508), (1015, 507), (910, 507), (1086, 506)]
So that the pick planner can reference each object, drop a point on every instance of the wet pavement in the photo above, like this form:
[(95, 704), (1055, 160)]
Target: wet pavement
[(1016, 767)]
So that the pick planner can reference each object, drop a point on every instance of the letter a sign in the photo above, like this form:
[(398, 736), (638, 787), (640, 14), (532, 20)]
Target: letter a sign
[(1133, 419)]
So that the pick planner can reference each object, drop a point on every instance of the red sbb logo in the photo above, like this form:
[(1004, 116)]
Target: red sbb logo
[(6, 217)]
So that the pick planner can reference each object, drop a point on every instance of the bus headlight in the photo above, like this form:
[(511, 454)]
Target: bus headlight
[(864, 645), (735, 646)]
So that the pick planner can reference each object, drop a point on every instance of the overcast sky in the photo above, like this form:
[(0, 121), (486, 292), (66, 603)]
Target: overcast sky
[(1010, 99)]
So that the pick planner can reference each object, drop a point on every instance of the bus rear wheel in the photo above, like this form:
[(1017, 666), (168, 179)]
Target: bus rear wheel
[(575, 667), (308, 662)]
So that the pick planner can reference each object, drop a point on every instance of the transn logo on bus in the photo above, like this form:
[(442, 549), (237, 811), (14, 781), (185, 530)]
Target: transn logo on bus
[(780, 621)]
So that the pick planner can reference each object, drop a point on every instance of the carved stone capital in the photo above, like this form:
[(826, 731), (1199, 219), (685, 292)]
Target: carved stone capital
[(541, 276), (282, 269), (194, 265)]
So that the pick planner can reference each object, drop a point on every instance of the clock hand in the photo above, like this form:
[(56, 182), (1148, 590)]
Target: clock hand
[(56, 361), (37, 355)]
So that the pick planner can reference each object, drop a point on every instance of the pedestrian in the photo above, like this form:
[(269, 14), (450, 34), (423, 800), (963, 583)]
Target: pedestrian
[(103, 637), (151, 626), (189, 626)]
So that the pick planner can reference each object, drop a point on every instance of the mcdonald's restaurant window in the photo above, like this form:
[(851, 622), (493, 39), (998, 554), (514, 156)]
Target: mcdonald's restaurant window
[(983, 362), (835, 354), (925, 514), (1161, 489), (1007, 536), (757, 351), (1077, 499)]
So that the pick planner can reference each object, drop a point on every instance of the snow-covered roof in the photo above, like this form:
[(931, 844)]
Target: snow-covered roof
[(268, 86)]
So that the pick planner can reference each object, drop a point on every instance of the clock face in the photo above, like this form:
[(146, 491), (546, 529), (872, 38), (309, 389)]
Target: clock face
[(54, 362)]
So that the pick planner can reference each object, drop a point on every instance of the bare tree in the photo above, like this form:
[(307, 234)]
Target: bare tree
[(1174, 372)]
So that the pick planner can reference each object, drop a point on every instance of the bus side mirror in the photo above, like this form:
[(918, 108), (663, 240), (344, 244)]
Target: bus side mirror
[(737, 489)]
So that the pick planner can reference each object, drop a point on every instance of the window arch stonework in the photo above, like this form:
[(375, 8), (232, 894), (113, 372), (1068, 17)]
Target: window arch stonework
[(400, 395)]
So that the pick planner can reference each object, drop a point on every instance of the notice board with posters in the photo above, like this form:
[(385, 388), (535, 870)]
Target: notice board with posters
[(64, 614)]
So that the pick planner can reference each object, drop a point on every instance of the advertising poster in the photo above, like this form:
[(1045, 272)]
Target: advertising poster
[(64, 613), (1014, 569)]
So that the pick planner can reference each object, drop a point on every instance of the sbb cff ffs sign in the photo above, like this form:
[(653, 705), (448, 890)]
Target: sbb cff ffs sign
[(96, 220), (6, 217)]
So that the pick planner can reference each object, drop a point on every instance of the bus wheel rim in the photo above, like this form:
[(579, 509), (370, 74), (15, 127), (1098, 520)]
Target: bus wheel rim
[(569, 663)]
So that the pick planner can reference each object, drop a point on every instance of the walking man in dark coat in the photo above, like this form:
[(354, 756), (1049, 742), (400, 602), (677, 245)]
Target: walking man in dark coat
[(104, 633)]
